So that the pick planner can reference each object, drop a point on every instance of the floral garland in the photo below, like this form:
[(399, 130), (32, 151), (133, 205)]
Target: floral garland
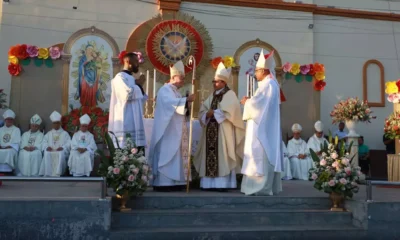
[(98, 124), (309, 71), (228, 61), (352, 109), (22, 54), (123, 53), (3, 100), (392, 126), (393, 91)]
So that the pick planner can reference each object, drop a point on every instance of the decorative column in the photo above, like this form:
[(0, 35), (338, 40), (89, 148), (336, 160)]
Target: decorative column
[(354, 152), (396, 108)]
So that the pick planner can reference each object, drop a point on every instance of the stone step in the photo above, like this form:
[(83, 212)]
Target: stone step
[(342, 232), (237, 202), (227, 217)]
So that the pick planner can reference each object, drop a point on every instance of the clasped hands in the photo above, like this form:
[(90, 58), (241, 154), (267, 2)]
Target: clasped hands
[(8, 147), (210, 113), (30, 148), (49, 149), (301, 156)]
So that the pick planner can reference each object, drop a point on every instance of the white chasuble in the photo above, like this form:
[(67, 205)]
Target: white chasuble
[(29, 162), (315, 143), (220, 150), (126, 110), (81, 164), (169, 139), (263, 156), (55, 162), (9, 137), (287, 170), (300, 167)]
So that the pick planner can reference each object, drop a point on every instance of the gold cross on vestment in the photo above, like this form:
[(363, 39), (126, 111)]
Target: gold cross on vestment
[(202, 91)]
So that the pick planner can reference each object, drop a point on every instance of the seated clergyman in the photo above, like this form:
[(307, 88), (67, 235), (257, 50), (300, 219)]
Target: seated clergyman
[(10, 138)]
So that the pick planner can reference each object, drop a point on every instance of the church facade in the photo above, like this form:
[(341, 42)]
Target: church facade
[(357, 44)]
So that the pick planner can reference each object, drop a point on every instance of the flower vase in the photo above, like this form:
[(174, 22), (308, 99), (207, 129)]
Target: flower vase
[(337, 202), (351, 126), (123, 200)]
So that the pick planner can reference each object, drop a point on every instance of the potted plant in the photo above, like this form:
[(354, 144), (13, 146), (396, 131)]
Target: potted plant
[(126, 170), (334, 174), (351, 111)]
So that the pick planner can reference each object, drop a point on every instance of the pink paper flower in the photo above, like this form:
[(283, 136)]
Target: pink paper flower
[(134, 150), (55, 53), (116, 170), (343, 181), (286, 67), (322, 162), (304, 69), (32, 51), (131, 178), (140, 57), (331, 183), (314, 176)]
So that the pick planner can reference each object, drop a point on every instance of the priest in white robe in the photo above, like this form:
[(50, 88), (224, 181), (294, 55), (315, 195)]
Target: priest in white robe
[(30, 153), (10, 138), (263, 156), (299, 156), (126, 105), (287, 171), (170, 138), (83, 147), (220, 150), (56, 146), (317, 139)]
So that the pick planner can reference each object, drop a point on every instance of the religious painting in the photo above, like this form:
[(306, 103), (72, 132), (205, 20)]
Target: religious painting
[(92, 63)]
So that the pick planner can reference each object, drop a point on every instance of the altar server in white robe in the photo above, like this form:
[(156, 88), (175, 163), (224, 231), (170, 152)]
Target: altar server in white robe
[(126, 105), (220, 150), (263, 156), (10, 138), (56, 146), (287, 172), (317, 139), (83, 147), (300, 160), (170, 138), (30, 153)]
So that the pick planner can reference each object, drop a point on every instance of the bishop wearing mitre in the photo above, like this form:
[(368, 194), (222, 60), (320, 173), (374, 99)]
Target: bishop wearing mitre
[(83, 147), (220, 151), (318, 139), (56, 147), (169, 143), (30, 153), (263, 156), (10, 138)]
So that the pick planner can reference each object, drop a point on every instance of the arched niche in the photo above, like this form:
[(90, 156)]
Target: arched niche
[(381, 91), (104, 54)]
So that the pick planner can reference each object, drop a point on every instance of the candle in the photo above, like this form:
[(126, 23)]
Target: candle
[(251, 86), (254, 85), (154, 84), (147, 82), (247, 85)]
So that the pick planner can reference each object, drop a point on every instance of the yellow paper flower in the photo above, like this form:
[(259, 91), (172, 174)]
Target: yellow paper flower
[(391, 88), (295, 69), (13, 59), (43, 53), (228, 61), (320, 76)]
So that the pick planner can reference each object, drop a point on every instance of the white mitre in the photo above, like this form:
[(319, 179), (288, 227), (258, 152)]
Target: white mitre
[(55, 117), (222, 73), (177, 69), (266, 62), (36, 119), (9, 114), (319, 126), (85, 119), (296, 128)]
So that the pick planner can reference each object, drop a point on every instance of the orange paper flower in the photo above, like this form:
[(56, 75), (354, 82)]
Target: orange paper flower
[(319, 67), (216, 61), (13, 50)]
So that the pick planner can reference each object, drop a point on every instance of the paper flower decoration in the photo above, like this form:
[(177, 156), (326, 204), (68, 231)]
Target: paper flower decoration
[(54, 53), (13, 50), (320, 76), (32, 51), (121, 57), (140, 56), (14, 69), (228, 61), (295, 69), (22, 54), (391, 88), (286, 67), (319, 67), (394, 98), (13, 59), (43, 53), (304, 69), (312, 70), (216, 61), (319, 85)]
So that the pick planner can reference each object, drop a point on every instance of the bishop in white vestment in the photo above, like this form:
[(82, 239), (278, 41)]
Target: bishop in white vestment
[(30, 153), (10, 138), (263, 156), (287, 171), (220, 150), (317, 139), (56, 146), (169, 143), (300, 160), (126, 105), (83, 147)]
